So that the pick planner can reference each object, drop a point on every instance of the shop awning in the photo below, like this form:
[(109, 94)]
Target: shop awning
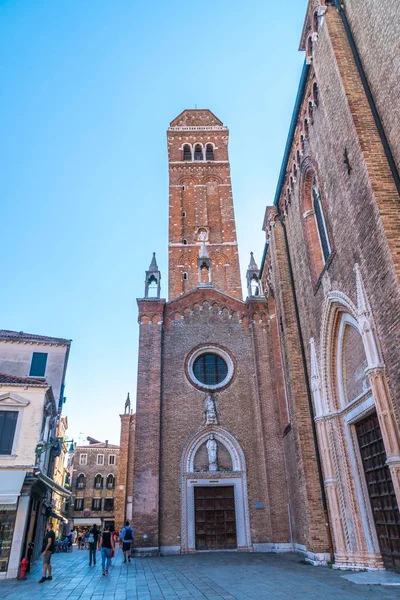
[(57, 515), (56, 487), (11, 482), (87, 521)]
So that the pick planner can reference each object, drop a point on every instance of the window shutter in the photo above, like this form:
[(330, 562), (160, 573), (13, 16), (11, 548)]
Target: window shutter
[(38, 364), (8, 423)]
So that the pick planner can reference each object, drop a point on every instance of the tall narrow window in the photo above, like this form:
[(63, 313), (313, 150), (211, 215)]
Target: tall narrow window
[(79, 504), (187, 152), (198, 152), (98, 481), (110, 481), (8, 423), (209, 152), (80, 481), (185, 276), (38, 364), (319, 217)]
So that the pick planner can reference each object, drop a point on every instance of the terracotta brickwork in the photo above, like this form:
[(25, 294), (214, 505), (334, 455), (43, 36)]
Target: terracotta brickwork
[(349, 301), (312, 354), (200, 200), (376, 30)]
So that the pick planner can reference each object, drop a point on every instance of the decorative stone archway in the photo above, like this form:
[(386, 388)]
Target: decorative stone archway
[(236, 478), (337, 415)]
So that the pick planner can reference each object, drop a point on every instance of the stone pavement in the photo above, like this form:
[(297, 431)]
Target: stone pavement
[(214, 576)]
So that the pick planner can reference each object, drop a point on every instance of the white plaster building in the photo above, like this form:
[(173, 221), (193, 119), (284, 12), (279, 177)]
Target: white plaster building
[(31, 368)]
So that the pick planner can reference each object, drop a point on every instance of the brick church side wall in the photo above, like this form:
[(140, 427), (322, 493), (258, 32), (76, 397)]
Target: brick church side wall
[(271, 431), (147, 436), (376, 30), (308, 522)]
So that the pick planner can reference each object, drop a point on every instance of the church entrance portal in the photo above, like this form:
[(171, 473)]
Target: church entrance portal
[(215, 525), (380, 489)]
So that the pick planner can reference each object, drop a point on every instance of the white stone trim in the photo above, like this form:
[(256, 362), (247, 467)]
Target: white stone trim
[(165, 550), (212, 350), (273, 547), (190, 480), (315, 558)]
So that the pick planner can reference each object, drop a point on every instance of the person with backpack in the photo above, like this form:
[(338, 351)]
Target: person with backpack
[(126, 536), (93, 540)]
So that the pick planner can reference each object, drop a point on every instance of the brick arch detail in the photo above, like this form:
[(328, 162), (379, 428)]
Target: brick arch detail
[(316, 262)]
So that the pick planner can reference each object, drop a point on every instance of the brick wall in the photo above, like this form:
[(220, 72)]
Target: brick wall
[(376, 29), (200, 196)]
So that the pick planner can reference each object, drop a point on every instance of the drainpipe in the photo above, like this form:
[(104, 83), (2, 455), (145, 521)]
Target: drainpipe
[(309, 397), (368, 93)]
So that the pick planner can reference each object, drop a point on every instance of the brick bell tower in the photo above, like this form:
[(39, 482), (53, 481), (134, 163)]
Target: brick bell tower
[(201, 205)]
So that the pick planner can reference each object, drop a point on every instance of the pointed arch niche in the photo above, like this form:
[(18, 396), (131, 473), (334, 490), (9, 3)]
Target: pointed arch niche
[(348, 385), (232, 472)]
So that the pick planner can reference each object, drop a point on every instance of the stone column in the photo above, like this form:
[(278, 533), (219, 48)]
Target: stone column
[(122, 474), (18, 537)]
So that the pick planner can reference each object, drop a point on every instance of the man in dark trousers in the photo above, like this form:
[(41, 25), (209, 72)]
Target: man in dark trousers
[(48, 551), (126, 536), (93, 539)]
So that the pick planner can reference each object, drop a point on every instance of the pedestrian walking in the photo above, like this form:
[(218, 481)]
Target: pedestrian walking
[(93, 541), (126, 536), (47, 552), (106, 544)]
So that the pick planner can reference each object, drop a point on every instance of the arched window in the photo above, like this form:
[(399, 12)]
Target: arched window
[(80, 481), (315, 226), (98, 481), (209, 152), (152, 287), (187, 152), (311, 112), (110, 482), (183, 213), (319, 218), (185, 276), (315, 93), (198, 152), (184, 241), (254, 286)]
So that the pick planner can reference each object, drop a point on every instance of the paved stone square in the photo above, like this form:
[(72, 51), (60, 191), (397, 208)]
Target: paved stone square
[(214, 576)]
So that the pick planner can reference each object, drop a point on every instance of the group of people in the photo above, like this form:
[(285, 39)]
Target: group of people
[(104, 541)]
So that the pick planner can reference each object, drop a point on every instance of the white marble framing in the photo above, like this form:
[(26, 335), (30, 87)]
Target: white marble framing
[(237, 478)]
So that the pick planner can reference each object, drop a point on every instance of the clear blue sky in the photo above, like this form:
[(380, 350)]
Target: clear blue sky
[(88, 89)]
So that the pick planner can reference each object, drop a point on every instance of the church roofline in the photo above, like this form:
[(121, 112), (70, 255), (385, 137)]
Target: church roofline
[(292, 129), (209, 290), (218, 124)]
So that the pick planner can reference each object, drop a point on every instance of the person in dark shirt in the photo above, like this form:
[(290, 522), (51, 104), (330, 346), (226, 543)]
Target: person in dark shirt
[(48, 551), (93, 541), (106, 545)]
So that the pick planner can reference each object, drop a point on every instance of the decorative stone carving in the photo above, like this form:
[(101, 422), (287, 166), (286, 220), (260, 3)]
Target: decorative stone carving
[(365, 321), (316, 380), (212, 449), (210, 411)]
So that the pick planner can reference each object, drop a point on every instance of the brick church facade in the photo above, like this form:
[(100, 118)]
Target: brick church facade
[(272, 424)]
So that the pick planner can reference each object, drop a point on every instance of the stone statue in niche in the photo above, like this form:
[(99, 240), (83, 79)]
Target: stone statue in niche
[(212, 453), (210, 411)]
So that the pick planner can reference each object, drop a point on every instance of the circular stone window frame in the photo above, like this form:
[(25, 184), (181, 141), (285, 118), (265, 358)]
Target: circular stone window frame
[(209, 349)]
